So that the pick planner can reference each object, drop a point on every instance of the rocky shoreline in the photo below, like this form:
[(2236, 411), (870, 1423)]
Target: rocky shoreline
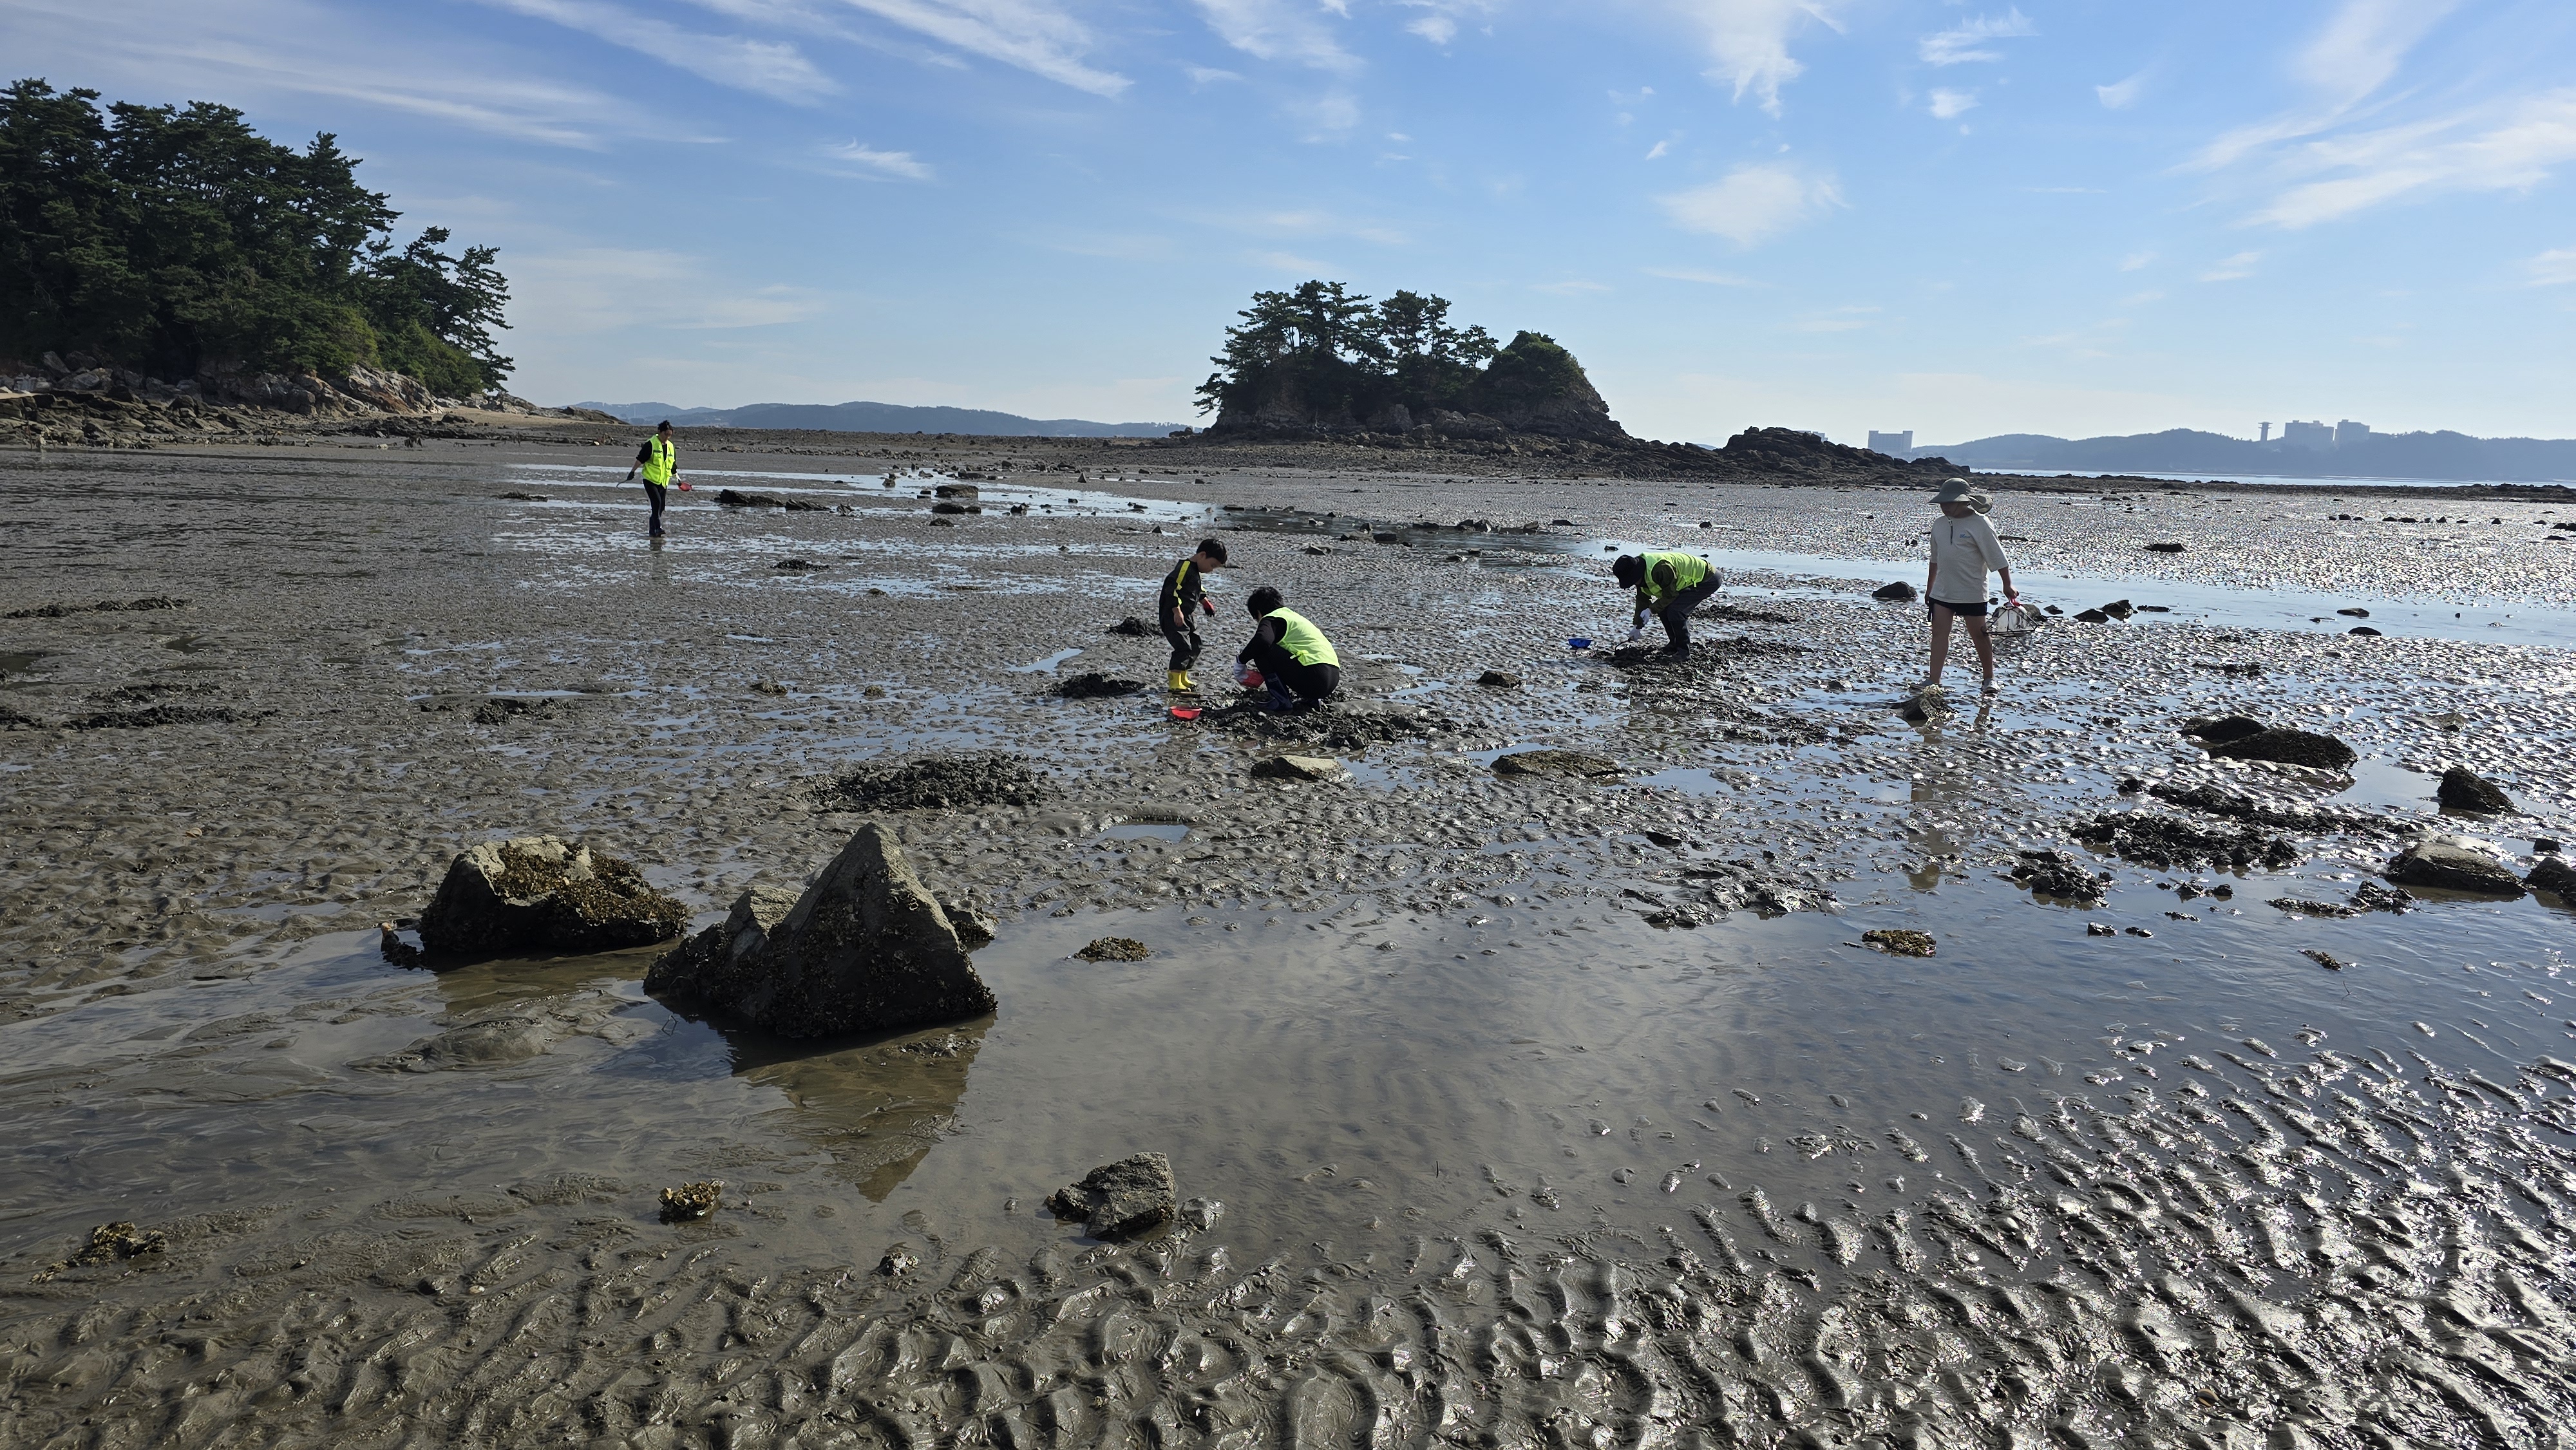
[(1543, 1041)]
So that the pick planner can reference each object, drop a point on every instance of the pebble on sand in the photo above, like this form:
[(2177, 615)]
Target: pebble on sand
[(691, 1200)]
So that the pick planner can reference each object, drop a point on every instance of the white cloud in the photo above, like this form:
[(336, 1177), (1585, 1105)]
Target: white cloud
[(2357, 51), (252, 50), (2135, 260), (1208, 75), (1328, 116), (1707, 279), (2121, 95), (1753, 203), (1967, 42), (1032, 35), (1661, 148), (887, 163), (2233, 268), (764, 67), (1291, 262), (2517, 152), (1749, 41), (1947, 104), (603, 289), (1290, 31), (2553, 269), (1438, 29), (1571, 288)]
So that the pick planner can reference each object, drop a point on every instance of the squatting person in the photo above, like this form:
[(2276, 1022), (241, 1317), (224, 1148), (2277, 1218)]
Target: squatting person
[(1184, 593), (1964, 551), (1297, 663), (659, 461), (1669, 586)]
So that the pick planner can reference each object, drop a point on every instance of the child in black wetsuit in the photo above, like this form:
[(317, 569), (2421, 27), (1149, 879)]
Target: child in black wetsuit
[(1184, 594)]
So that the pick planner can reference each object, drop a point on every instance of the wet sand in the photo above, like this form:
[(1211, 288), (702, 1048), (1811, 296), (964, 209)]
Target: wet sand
[(1485, 1157)]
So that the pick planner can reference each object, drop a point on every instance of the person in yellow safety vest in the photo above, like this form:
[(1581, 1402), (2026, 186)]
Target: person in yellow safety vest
[(659, 461), (1298, 665), (1669, 586)]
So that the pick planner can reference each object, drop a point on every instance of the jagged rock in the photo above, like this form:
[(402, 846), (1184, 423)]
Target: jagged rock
[(2290, 747), (1131, 625), (2466, 791), (866, 948), (1296, 767), (539, 893), (2452, 867), (2555, 876), (1899, 592), (1120, 1200), (1568, 764), (1499, 679), (2168, 841), (2054, 873), (1900, 943), (1115, 949)]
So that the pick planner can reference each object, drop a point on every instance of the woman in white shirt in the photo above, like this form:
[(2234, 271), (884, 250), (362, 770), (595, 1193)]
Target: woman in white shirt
[(1964, 551)]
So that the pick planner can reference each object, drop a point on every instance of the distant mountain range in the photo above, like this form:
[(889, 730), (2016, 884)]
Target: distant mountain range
[(878, 418), (2184, 450)]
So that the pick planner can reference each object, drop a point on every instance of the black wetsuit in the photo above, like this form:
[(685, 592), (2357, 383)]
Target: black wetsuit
[(1183, 589)]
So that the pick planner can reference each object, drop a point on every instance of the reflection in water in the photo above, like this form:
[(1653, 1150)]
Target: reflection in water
[(877, 1109)]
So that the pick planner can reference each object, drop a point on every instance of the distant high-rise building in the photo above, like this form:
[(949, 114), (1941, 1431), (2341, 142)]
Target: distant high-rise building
[(2316, 436), (2349, 433), (2267, 433), (1891, 443)]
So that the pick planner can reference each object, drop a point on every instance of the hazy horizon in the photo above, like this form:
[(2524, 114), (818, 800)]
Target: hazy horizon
[(1965, 220)]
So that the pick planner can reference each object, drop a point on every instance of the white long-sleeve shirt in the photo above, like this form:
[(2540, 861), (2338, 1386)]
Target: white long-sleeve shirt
[(1964, 551)]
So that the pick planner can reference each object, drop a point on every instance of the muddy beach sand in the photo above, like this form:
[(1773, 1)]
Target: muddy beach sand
[(1482, 1155)]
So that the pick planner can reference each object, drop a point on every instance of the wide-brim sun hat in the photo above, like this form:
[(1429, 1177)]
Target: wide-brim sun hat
[(1958, 490)]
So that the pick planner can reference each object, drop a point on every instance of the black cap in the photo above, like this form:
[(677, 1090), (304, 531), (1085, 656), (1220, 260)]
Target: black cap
[(1628, 569)]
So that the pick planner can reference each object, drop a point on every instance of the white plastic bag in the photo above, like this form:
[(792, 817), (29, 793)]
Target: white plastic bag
[(2018, 617)]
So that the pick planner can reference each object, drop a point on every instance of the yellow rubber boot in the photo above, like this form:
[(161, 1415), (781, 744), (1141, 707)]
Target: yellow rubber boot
[(1189, 684), (1177, 681)]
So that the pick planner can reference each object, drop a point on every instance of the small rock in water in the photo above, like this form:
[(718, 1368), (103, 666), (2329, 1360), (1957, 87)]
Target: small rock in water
[(2452, 867), (1120, 1200), (2354, 613), (799, 566), (1499, 679), (2325, 960), (2054, 873), (1899, 592), (1202, 1213), (691, 1200), (1899, 943), (2095, 928), (539, 893), (1115, 949), (2466, 791), (866, 948), (2290, 747), (2555, 876), (2139, 931), (898, 1260), (2363, 629)]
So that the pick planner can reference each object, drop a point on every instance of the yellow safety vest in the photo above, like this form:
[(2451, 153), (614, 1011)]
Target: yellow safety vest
[(1688, 571), (663, 461), (1303, 641)]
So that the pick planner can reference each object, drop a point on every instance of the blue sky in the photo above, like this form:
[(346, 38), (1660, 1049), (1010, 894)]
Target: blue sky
[(2059, 216)]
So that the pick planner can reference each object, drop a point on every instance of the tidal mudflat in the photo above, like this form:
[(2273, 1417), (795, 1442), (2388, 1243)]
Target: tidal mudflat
[(1571, 1105)]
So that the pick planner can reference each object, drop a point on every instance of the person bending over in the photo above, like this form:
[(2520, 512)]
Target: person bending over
[(1297, 663), (1669, 586), (1184, 594)]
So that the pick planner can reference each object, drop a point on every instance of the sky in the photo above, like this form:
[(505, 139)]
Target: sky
[(2072, 217)]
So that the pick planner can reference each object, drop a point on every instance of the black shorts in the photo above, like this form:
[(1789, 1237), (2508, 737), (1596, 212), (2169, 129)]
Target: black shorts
[(1964, 611)]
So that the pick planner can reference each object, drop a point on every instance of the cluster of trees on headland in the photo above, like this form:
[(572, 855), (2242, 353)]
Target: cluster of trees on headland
[(1327, 356), (176, 240)]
